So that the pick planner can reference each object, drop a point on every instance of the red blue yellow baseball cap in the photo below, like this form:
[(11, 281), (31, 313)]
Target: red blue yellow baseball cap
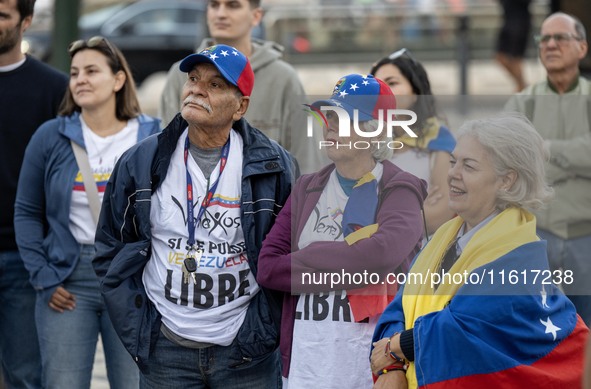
[(364, 93), (231, 63)]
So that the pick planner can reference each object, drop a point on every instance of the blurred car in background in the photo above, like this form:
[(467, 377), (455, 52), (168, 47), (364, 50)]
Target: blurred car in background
[(152, 34)]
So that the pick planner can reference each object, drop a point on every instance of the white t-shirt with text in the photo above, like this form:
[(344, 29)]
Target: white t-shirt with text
[(329, 349), (213, 310)]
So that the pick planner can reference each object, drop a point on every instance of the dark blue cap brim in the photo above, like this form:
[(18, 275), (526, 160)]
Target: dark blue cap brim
[(363, 116), (189, 62)]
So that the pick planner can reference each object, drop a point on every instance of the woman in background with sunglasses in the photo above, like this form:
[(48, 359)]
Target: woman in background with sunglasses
[(55, 226), (427, 156)]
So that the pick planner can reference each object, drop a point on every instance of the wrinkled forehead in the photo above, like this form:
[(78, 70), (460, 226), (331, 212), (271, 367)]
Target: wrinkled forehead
[(250, 3), (206, 69), (558, 24), (7, 5), (468, 146)]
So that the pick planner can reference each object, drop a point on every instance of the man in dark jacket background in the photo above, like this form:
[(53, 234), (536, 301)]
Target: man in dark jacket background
[(30, 94), (182, 223)]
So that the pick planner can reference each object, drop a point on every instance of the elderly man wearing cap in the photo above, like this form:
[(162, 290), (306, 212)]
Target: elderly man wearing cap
[(182, 223), (360, 215)]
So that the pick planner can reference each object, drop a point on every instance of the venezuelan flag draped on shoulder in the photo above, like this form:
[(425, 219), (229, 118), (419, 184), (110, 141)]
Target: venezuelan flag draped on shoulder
[(435, 137), (490, 332)]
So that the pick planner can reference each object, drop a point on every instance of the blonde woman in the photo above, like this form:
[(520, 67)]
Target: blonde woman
[(485, 320)]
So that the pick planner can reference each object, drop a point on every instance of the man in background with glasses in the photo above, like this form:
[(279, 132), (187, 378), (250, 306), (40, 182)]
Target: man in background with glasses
[(30, 93), (560, 109)]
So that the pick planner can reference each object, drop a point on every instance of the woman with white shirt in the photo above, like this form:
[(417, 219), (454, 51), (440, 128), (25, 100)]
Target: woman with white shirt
[(55, 226), (426, 156)]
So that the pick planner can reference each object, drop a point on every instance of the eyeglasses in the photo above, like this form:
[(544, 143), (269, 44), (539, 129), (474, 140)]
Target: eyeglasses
[(401, 53), (559, 38), (94, 42)]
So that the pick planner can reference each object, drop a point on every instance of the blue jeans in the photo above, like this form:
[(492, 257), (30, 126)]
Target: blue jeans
[(175, 367), (68, 340), (573, 254), (19, 346)]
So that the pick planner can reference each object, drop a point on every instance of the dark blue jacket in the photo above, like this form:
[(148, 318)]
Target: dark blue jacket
[(42, 209), (123, 237)]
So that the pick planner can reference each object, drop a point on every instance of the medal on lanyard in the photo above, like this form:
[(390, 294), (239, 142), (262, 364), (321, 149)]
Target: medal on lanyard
[(193, 257)]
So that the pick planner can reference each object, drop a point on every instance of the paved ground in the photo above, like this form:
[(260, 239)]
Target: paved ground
[(486, 82), (99, 372)]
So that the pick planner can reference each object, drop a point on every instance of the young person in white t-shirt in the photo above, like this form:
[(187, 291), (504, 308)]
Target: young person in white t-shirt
[(54, 225)]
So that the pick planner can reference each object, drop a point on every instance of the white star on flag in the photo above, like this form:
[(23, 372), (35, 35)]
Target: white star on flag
[(365, 82), (354, 87), (213, 56), (343, 94), (225, 53), (338, 104), (235, 53), (550, 327)]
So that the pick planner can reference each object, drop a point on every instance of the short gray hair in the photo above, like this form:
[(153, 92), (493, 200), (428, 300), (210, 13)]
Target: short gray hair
[(514, 145), (379, 151), (580, 28), (577, 24)]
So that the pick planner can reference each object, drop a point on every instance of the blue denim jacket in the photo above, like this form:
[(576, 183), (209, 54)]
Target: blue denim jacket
[(48, 248), (123, 237)]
